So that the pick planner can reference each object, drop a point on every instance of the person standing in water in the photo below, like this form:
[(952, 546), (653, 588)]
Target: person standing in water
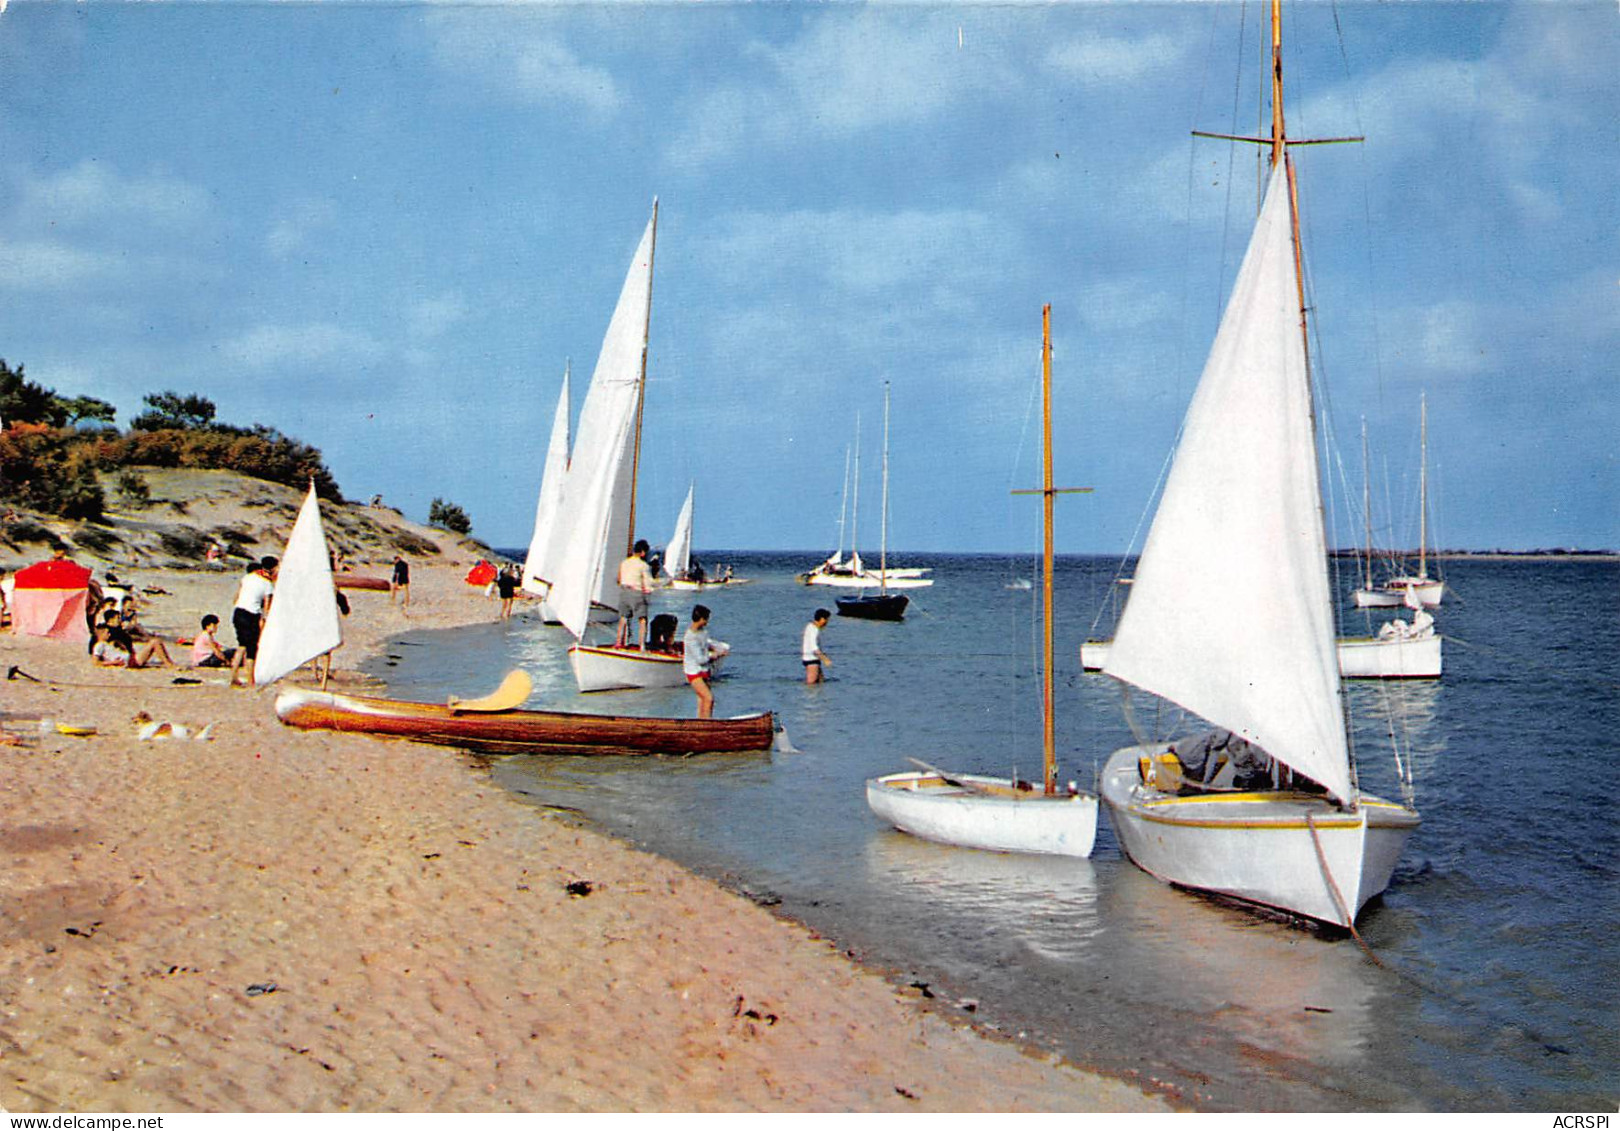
[(700, 654), (810, 647)]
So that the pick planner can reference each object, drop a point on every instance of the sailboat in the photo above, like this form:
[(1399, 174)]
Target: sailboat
[(881, 605), (853, 574), (549, 502), (1231, 618), (1001, 814), (679, 566), (1393, 592), (595, 526), (303, 621)]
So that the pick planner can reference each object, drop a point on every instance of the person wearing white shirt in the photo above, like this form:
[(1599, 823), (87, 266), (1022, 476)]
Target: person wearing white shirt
[(699, 653), (247, 618), (810, 647)]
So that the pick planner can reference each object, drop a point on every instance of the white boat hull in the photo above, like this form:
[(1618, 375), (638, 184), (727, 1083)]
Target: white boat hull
[(1360, 657), (1288, 851), (1009, 820), (1427, 589), (892, 580), (1376, 599), (731, 583), (627, 669), (1372, 657)]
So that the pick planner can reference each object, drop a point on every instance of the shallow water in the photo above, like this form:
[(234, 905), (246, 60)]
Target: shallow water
[(1497, 935)]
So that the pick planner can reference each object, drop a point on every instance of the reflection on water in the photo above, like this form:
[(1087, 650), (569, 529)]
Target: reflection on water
[(1498, 929)]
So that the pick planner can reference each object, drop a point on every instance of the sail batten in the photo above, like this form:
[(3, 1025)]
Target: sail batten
[(594, 521), (1230, 614)]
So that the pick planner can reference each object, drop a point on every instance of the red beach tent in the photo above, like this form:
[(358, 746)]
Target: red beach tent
[(481, 574), (51, 599)]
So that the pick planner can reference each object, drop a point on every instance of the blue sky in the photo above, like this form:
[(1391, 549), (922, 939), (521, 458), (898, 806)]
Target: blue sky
[(384, 228)]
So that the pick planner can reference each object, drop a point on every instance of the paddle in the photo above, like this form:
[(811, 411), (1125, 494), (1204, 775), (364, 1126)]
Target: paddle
[(946, 778), (512, 692)]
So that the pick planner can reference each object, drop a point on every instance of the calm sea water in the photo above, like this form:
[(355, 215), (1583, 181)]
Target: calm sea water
[(1498, 933)]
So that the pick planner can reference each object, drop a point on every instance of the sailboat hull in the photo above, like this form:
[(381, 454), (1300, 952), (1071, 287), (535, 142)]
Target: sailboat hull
[(874, 606), (1426, 589), (872, 579), (985, 813), (628, 669), (1291, 852), (1376, 599), (1360, 657)]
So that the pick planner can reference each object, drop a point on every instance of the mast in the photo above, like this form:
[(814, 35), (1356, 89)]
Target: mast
[(1423, 490), (855, 510), (883, 522), (1048, 718), (641, 385), (1048, 493), (1366, 504), (843, 507)]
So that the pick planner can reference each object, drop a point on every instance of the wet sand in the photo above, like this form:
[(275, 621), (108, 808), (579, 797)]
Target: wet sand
[(277, 920)]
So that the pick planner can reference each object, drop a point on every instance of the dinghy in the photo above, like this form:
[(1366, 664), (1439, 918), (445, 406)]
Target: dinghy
[(1000, 814), (1231, 618)]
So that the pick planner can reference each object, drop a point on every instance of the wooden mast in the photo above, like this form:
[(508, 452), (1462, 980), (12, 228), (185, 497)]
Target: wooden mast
[(883, 519), (1047, 491), (641, 385), (1423, 490)]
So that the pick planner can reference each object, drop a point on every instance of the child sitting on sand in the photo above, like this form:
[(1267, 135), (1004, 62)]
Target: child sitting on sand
[(205, 649), (113, 648)]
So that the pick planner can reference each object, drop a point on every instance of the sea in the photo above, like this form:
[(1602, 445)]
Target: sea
[(1489, 978)]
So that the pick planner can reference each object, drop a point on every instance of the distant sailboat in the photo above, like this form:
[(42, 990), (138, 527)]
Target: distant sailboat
[(303, 621), (853, 574), (1001, 814), (683, 571), (1231, 618), (881, 605), (1428, 590)]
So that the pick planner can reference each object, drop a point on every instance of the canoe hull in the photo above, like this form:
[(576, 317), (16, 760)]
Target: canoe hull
[(971, 816), (524, 732), (354, 581), (1276, 850)]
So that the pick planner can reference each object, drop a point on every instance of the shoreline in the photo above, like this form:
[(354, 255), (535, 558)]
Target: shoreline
[(415, 922)]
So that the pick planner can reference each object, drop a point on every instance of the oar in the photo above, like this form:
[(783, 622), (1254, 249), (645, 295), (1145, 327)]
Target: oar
[(947, 778), (512, 693)]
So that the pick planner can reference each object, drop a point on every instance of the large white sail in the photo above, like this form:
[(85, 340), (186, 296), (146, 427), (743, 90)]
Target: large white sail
[(678, 554), (535, 574), (1230, 613), (593, 525), (303, 621)]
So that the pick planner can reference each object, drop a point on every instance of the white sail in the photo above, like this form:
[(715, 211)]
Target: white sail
[(1230, 614), (678, 554), (593, 525), (549, 503), (303, 621)]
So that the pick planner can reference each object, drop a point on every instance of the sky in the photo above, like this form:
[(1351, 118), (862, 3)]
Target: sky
[(385, 229)]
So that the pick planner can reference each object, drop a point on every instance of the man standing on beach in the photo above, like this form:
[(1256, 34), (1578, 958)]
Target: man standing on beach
[(635, 583), (700, 654), (400, 583), (810, 647), (247, 618)]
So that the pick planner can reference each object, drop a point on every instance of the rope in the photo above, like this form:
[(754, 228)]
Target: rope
[(1338, 899)]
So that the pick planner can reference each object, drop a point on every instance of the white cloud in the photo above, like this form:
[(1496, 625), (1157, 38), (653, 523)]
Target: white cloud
[(51, 266), (91, 193), (1114, 59), (432, 317), (294, 231), (521, 58), (316, 343)]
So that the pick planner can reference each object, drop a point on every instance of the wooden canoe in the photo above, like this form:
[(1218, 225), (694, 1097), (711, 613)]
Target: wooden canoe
[(355, 581), (524, 732)]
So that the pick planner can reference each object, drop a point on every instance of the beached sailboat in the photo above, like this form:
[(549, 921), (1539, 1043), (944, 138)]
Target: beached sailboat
[(303, 621), (1231, 618), (497, 725), (1393, 591), (1002, 814), (553, 474)]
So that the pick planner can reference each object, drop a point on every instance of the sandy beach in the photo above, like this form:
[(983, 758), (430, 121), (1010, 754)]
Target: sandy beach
[(276, 920)]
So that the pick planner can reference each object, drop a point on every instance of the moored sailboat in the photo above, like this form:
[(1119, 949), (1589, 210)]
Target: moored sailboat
[(1426, 589), (1001, 814), (1231, 618), (881, 605)]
